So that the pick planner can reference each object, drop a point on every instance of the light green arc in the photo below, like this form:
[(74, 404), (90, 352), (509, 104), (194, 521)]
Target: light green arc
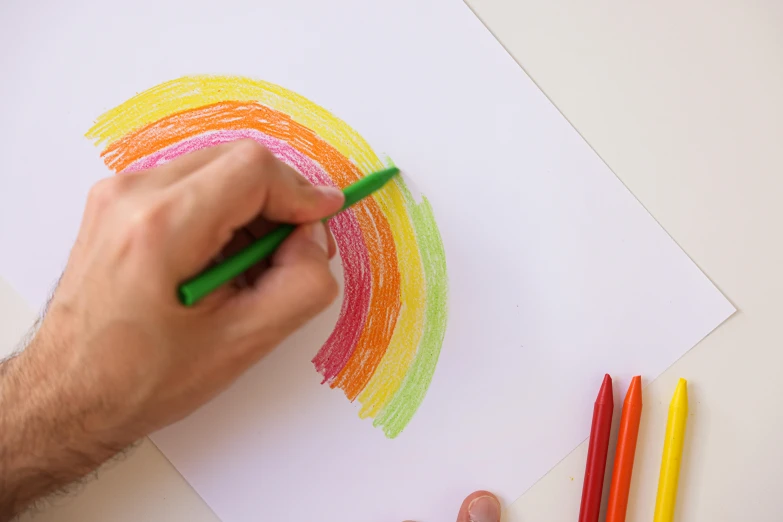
[(398, 412)]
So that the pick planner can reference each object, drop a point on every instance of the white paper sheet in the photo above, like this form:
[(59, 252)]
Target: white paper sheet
[(556, 273)]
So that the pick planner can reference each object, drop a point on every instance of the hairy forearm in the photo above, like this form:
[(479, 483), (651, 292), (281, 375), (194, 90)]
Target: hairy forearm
[(47, 437)]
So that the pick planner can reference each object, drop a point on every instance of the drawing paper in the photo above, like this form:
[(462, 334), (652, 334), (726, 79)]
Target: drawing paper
[(508, 260)]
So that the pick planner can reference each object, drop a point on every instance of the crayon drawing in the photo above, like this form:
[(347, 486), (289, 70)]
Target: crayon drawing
[(387, 340)]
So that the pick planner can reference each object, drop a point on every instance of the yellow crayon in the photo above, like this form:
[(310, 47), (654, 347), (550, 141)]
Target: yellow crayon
[(672, 454)]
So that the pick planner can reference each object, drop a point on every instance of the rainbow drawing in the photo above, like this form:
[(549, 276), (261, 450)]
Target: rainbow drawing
[(387, 340)]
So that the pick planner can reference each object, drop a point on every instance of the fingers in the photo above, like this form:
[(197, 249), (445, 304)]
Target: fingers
[(480, 506), (245, 181), (296, 287), (260, 227)]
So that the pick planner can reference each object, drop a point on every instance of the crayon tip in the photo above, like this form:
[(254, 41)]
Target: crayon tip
[(634, 394), (605, 393), (680, 393)]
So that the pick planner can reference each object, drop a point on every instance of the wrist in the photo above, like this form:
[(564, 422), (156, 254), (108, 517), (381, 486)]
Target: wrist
[(48, 437)]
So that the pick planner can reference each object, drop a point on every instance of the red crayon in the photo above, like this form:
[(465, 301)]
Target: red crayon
[(596, 453)]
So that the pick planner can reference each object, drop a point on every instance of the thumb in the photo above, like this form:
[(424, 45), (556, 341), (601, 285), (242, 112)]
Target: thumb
[(296, 287), (480, 506)]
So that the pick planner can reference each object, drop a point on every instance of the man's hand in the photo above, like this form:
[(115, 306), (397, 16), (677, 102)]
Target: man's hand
[(117, 356)]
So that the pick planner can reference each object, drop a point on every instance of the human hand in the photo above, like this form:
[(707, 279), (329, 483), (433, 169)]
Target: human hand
[(117, 356)]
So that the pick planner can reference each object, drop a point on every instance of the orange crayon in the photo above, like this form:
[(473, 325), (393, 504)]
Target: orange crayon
[(624, 455)]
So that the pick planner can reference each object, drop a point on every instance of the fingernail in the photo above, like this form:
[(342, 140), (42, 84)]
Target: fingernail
[(332, 193), (484, 509), (318, 235)]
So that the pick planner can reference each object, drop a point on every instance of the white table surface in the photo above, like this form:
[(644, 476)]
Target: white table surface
[(683, 101)]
